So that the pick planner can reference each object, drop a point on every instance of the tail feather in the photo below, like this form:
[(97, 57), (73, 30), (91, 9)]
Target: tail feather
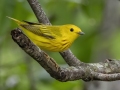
[(17, 21)]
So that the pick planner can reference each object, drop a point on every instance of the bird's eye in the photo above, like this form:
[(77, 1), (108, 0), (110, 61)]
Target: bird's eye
[(71, 29)]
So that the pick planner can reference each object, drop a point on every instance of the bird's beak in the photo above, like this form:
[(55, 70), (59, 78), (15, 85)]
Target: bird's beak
[(81, 33)]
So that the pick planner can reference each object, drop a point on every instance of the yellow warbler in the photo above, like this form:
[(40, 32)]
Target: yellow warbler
[(50, 38)]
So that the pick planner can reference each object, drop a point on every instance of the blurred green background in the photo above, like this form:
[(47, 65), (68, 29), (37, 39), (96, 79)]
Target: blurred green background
[(99, 19)]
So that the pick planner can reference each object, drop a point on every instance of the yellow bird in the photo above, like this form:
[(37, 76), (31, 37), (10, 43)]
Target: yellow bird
[(50, 38)]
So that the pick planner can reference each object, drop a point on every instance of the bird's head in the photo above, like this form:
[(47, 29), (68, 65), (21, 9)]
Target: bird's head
[(72, 31)]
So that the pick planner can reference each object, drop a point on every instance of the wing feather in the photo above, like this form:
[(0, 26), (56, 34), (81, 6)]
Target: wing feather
[(39, 30)]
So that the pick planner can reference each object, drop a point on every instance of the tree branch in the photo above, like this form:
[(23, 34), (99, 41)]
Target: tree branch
[(104, 71), (96, 71), (40, 14)]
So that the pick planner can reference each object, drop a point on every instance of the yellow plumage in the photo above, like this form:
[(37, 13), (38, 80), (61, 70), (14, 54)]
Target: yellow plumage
[(50, 38)]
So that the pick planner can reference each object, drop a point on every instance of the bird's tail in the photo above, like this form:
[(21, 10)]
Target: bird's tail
[(17, 21)]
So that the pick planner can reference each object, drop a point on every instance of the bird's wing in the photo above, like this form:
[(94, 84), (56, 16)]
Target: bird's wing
[(38, 29)]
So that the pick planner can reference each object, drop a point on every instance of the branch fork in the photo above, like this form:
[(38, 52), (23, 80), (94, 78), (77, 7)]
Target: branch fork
[(102, 71)]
